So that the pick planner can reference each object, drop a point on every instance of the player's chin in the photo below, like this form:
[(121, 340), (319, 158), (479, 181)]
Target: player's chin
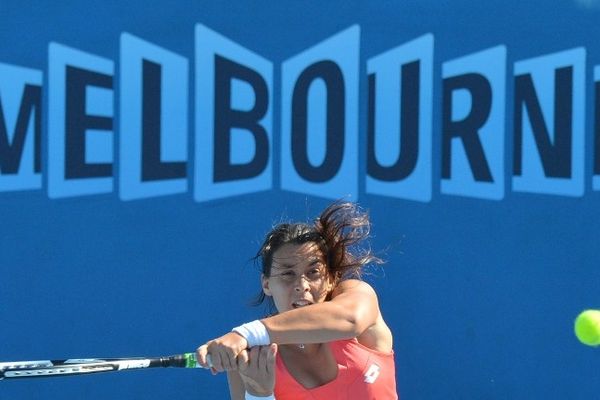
[(283, 308)]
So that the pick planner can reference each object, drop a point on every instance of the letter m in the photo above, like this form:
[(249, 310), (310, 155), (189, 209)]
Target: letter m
[(20, 128)]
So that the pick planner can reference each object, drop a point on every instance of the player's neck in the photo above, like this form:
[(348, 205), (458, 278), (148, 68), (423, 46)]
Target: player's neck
[(306, 349)]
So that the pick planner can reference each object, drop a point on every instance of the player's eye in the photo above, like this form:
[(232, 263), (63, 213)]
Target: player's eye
[(287, 275), (314, 273)]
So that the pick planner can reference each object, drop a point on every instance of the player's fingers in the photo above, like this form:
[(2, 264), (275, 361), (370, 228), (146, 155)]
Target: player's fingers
[(229, 362), (201, 354), (225, 362), (271, 357), (253, 359), (217, 361), (242, 360), (262, 358)]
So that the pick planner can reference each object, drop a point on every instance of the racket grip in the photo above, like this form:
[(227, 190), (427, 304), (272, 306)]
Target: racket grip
[(186, 360)]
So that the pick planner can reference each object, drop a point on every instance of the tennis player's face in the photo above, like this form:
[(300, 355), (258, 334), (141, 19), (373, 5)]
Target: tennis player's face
[(298, 278)]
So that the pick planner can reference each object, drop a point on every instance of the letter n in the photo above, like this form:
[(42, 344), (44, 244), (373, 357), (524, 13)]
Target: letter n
[(549, 118), (596, 177)]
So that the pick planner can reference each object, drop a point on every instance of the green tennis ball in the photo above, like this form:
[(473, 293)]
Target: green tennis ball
[(587, 327)]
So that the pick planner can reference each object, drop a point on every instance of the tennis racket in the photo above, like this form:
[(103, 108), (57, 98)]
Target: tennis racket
[(52, 368)]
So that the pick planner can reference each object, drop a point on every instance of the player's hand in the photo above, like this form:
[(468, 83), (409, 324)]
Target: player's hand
[(223, 352), (256, 367)]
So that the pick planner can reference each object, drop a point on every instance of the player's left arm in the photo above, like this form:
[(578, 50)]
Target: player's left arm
[(352, 312)]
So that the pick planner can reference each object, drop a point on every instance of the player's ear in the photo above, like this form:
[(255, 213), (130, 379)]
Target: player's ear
[(265, 285), (331, 283)]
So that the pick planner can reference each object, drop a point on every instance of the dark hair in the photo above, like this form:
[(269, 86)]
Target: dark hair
[(338, 232)]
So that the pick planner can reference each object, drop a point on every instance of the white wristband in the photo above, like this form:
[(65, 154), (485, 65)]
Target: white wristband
[(254, 332), (252, 397)]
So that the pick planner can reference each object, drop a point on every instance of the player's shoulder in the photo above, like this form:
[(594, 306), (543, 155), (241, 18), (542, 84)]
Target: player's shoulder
[(354, 285)]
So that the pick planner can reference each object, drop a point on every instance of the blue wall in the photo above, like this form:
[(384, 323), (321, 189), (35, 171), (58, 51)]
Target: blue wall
[(483, 278)]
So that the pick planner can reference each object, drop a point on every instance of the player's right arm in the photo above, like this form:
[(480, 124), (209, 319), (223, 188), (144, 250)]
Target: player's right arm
[(255, 373), (236, 385)]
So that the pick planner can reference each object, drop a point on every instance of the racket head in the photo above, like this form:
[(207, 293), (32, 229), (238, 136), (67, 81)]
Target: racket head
[(46, 368), (83, 366)]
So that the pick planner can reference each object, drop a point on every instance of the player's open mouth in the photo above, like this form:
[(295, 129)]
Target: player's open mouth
[(301, 303)]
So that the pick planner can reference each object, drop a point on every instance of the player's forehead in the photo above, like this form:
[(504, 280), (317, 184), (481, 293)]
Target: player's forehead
[(292, 255)]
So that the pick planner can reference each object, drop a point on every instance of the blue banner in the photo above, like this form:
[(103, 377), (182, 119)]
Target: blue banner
[(146, 149)]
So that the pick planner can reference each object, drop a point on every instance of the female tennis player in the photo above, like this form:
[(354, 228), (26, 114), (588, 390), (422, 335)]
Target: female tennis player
[(328, 339)]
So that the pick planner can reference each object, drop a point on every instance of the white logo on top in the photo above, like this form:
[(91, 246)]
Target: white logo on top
[(372, 373)]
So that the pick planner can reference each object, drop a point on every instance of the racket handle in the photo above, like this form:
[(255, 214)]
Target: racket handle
[(186, 360)]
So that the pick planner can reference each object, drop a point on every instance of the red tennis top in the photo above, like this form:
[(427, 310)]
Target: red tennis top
[(363, 374)]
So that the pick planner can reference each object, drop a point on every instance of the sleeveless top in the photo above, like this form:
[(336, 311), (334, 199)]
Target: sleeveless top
[(363, 374)]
